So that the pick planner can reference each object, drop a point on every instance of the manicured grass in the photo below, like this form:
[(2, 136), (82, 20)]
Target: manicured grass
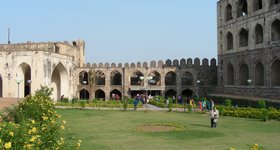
[(117, 130)]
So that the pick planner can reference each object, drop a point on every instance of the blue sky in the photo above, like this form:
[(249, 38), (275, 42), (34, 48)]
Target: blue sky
[(117, 31)]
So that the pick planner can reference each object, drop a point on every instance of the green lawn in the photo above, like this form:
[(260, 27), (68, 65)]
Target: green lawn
[(117, 130)]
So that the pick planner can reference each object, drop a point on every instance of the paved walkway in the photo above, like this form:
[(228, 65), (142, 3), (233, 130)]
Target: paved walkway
[(5, 102)]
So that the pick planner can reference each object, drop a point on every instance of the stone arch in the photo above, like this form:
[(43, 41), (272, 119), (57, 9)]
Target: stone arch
[(229, 40), (26, 77), (84, 94), (243, 37), (132, 65), (242, 8), (228, 14), (175, 63), (83, 77), (100, 94), (243, 74), (205, 62), (213, 62), (153, 64), (168, 63), (230, 74), (60, 82), (88, 65), (115, 95), (120, 65), (139, 65), (107, 65), (126, 65), (259, 74), (145, 64), (257, 5), (258, 34), (116, 78), (170, 93), (135, 78), (275, 73), (275, 30), (170, 78), (189, 61), (156, 78), (187, 93), (94, 65), (113, 65), (187, 78), (99, 77), (183, 62), (160, 63), (100, 65), (197, 62)]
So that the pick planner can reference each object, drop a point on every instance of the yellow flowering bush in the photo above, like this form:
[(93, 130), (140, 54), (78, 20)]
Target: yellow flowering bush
[(33, 125)]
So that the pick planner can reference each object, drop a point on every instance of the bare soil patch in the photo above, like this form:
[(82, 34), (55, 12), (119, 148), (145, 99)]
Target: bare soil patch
[(159, 128), (156, 128)]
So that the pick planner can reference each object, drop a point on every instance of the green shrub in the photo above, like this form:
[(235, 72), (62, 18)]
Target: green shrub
[(189, 108), (261, 104), (33, 125), (124, 105), (255, 113), (228, 102), (82, 103), (264, 115)]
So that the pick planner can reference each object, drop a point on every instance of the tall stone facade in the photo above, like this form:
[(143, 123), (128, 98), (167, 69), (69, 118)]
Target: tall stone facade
[(249, 48)]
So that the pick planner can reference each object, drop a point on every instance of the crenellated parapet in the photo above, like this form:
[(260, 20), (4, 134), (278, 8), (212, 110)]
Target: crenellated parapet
[(158, 64)]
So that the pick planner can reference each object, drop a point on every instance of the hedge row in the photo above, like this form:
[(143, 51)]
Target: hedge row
[(255, 113)]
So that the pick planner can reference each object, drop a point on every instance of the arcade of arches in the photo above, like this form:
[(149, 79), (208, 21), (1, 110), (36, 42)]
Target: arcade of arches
[(96, 90)]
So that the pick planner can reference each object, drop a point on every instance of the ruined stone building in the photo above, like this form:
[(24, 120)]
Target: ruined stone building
[(61, 66), (248, 33), (249, 48)]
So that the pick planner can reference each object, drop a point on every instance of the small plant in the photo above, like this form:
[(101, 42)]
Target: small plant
[(264, 115), (170, 105), (82, 104), (256, 147), (124, 105), (261, 104), (44, 91), (189, 108), (228, 102)]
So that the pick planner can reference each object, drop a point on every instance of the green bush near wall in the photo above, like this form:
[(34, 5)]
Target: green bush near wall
[(255, 113)]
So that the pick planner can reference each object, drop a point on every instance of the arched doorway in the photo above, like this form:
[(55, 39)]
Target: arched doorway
[(115, 95), (59, 76), (100, 95), (26, 77), (170, 93), (187, 93), (84, 94), (116, 78), (170, 78), (243, 74), (275, 73)]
